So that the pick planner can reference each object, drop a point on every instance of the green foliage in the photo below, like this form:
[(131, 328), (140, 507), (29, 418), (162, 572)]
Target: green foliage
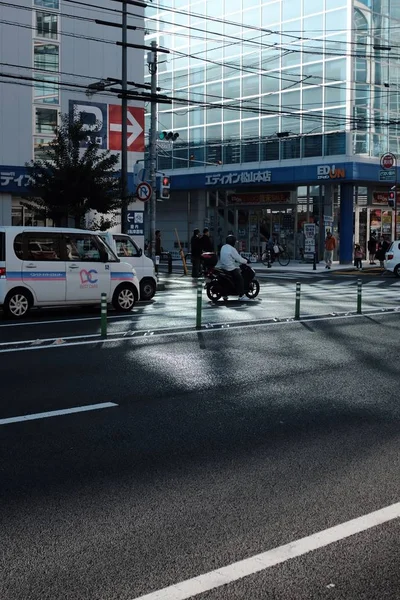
[(70, 180)]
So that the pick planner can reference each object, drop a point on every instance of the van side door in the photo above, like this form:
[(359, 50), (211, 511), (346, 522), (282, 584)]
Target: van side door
[(88, 273), (43, 268)]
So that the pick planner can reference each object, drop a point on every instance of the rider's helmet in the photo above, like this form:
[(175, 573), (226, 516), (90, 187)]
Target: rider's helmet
[(231, 240)]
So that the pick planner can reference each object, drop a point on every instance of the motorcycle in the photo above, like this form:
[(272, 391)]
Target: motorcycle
[(222, 285)]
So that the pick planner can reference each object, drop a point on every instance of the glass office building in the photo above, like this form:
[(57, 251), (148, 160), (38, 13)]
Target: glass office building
[(271, 86)]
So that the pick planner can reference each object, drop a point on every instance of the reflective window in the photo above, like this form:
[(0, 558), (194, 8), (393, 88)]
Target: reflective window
[(338, 17), (312, 98), (214, 115), (181, 118), (250, 17), (313, 6), (213, 133), (46, 120), (312, 145), (314, 73), (46, 57), (271, 14), (291, 100), (251, 85), (335, 143), (196, 116), (335, 94), (46, 90), (313, 26), (270, 83), (55, 4), (232, 131), (269, 126), (40, 150), (290, 148), (38, 246), (335, 70), (232, 88), (290, 9), (82, 248), (250, 129), (47, 25)]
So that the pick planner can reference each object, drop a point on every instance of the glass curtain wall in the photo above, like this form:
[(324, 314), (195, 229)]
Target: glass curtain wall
[(46, 63), (247, 70), (376, 70)]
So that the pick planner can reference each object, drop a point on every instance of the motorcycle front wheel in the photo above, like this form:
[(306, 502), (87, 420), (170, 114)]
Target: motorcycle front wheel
[(254, 289), (213, 291)]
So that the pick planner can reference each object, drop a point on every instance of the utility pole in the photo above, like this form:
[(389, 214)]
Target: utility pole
[(152, 62), (124, 117)]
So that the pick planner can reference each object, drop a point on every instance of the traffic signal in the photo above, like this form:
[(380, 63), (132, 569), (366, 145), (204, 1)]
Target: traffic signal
[(392, 198), (170, 136), (165, 188)]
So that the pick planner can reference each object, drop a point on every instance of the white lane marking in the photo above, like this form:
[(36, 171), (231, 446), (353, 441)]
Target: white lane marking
[(208, 328), (42, 340), (249, 566), (57, 413)]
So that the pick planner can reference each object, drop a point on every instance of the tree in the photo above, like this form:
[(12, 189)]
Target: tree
[(73, 177)]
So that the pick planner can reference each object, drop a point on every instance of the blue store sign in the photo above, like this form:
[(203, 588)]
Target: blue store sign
[(15, 180)]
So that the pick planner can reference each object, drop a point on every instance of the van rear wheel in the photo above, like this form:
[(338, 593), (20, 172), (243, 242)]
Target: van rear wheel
[(124, 298), (17, 304), (147, 289)]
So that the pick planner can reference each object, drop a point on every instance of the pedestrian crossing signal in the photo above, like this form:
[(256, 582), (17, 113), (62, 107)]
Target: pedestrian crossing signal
[(392, 199), (165, 188)]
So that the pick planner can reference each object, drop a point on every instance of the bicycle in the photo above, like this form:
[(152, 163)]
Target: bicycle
[(282, 257)]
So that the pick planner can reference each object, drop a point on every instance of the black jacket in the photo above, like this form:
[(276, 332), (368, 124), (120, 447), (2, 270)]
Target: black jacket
[(206, 244), (195, 246)]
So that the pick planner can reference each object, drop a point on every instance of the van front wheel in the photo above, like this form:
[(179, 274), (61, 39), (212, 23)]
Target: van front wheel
[(17, 304), (124, 298)]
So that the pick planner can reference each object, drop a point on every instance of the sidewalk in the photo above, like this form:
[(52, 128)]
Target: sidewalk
[(295, 267)]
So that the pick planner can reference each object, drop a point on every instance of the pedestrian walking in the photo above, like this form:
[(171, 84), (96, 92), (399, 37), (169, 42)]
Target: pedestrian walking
[(158, 248), (372, 243), (330, 245), (358, 256), (195, 251), (383, 247)]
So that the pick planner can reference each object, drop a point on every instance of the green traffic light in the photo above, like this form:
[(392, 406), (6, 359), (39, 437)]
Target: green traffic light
[(161, 135)]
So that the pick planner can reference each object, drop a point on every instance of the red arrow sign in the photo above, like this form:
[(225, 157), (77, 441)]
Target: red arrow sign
[(135, 137)]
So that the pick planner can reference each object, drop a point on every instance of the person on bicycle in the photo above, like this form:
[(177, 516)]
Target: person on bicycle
[(229, 260)]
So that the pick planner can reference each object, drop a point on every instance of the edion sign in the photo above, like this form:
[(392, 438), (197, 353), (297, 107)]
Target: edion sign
[(388, 160)]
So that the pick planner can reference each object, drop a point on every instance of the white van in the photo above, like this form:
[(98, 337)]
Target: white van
[(43, 266), (127, 250), (392, 258)]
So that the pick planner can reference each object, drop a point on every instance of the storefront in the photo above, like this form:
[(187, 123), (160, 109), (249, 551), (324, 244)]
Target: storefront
[(274, 204)]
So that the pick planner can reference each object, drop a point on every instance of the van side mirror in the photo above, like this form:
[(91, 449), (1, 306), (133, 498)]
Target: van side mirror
[(140, 253)]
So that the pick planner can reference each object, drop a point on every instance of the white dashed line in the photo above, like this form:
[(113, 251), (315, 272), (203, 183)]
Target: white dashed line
[(57, 413), (225, 575)]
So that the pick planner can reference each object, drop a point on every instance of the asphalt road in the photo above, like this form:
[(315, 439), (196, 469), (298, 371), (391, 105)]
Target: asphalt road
[(176, 307), (222, 445)]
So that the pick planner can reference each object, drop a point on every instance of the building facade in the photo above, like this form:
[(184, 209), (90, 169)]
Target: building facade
[(50, 52), (284, 109)]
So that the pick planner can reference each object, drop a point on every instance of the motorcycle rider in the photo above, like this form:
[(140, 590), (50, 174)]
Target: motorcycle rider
[(229, 259)]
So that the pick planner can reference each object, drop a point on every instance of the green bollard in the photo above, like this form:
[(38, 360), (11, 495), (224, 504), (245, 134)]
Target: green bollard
[(199, 303), (104, 315), (297, 309), (359, 290)]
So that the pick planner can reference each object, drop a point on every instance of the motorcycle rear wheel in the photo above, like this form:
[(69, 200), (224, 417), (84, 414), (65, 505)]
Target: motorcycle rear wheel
[(254, 289), (213, 291)]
